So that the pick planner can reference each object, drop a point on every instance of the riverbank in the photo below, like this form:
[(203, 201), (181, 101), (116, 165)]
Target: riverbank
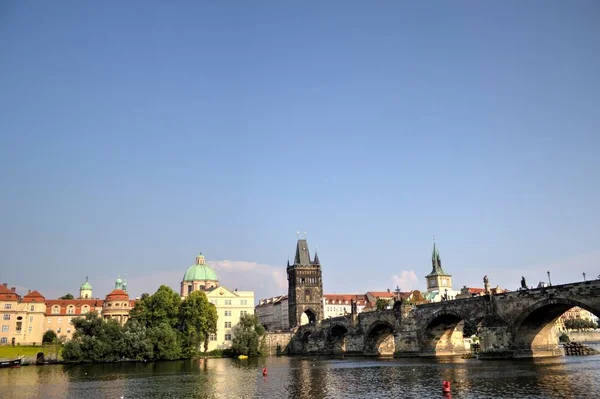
[(30, 352)]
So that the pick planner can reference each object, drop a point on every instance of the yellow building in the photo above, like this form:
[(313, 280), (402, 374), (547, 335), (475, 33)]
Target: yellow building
[(22, 319), (230, 304)]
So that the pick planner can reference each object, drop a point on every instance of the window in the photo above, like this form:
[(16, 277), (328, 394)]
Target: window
[(68, 330), (55, 310), (307, 296), (212, 337), (244, 302), (228, 313), (7, 305), (227, 337), (6, 317), (213, 301), (432, 283), (243, 313), (19, 326), (3, 340), (71, 310), (190, 289), (84, 310), (31, 319), (70, 320), (32, 308), (49, 320), (30, 329), (227, 324), (5, 328), (59, 320), (227, 301), (58, 330)]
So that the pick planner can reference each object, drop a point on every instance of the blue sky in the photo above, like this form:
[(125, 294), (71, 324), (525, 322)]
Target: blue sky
[(133, 135)]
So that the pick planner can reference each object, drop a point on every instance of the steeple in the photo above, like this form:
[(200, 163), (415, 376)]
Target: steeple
[(316, 261), (436, 263), (302, 256)]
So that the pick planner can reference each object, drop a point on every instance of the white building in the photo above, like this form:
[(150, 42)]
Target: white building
[(273, 313), (335, 305), (230, 304)]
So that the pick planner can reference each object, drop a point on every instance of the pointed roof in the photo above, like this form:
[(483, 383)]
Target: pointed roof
[(302, 257), (436, 263), (34, 296), (316, 262)]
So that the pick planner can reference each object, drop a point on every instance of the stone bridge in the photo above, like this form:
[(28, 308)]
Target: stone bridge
[(513, 324)]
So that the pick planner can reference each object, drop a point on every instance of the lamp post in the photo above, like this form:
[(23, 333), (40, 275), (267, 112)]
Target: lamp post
[(549, 281), (583, 276)]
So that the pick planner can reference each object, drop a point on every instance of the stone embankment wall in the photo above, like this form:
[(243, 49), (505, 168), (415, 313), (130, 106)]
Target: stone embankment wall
[(584, 336), (272, 339)]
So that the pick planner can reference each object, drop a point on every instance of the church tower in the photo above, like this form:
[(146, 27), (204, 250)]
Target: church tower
[(438, 279), (305, 287)]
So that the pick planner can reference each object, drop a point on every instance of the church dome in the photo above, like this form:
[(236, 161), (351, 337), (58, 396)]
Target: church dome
[(200, 271), (86, 285)]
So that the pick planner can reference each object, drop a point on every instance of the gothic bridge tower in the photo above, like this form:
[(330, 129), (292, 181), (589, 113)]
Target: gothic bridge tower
[(305, 287)]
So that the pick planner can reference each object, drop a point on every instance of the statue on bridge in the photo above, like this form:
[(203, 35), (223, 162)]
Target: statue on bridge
[(486, 284), (523, 283)]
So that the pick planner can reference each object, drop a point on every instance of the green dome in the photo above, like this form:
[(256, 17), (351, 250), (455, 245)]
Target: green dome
[(200, 272), (86, 285)]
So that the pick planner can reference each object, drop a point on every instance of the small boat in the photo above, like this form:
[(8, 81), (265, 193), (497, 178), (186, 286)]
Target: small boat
[(11, 363), (242, 357)]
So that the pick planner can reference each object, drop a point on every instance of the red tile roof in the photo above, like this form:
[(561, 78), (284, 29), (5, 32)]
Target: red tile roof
[(33, 297), (381, 294), (8, 294), (344, 299), (93, 304), (117, 295)]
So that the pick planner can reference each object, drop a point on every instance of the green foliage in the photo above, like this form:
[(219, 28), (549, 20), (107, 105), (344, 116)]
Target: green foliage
[(49, 337), (159, 308), (248, 337), (382, 304), (579, 324), (164, 341), (564, 337), (67, 296), (197, 320), (160, 327)]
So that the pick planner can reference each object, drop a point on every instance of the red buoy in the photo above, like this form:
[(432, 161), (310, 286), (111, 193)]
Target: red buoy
[(446, 387), (264, 371)]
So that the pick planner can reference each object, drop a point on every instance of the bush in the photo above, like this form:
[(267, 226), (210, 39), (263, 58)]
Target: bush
[(564, 338), (49, 337)]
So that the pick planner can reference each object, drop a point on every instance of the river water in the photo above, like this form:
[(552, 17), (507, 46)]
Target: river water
[(310, 377)]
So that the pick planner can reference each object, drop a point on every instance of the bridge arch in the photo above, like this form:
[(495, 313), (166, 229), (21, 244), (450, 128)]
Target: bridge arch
[(379, 339), (534, 333), (442, 334), (336, 338), (309, 316)]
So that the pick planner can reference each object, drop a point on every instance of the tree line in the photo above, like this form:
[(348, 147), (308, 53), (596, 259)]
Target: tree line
[(579, 324), (160, 327)]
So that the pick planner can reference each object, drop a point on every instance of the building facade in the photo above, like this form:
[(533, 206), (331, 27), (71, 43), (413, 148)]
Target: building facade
[(21, 318), (305, 287), (230, 304)]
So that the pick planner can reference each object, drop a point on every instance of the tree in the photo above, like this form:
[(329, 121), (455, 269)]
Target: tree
[(382, 304), (579, 324), (164, 342), (197, 320), (159, 308), (49, 337), (248, 336), (66, 296), (95, 340)]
